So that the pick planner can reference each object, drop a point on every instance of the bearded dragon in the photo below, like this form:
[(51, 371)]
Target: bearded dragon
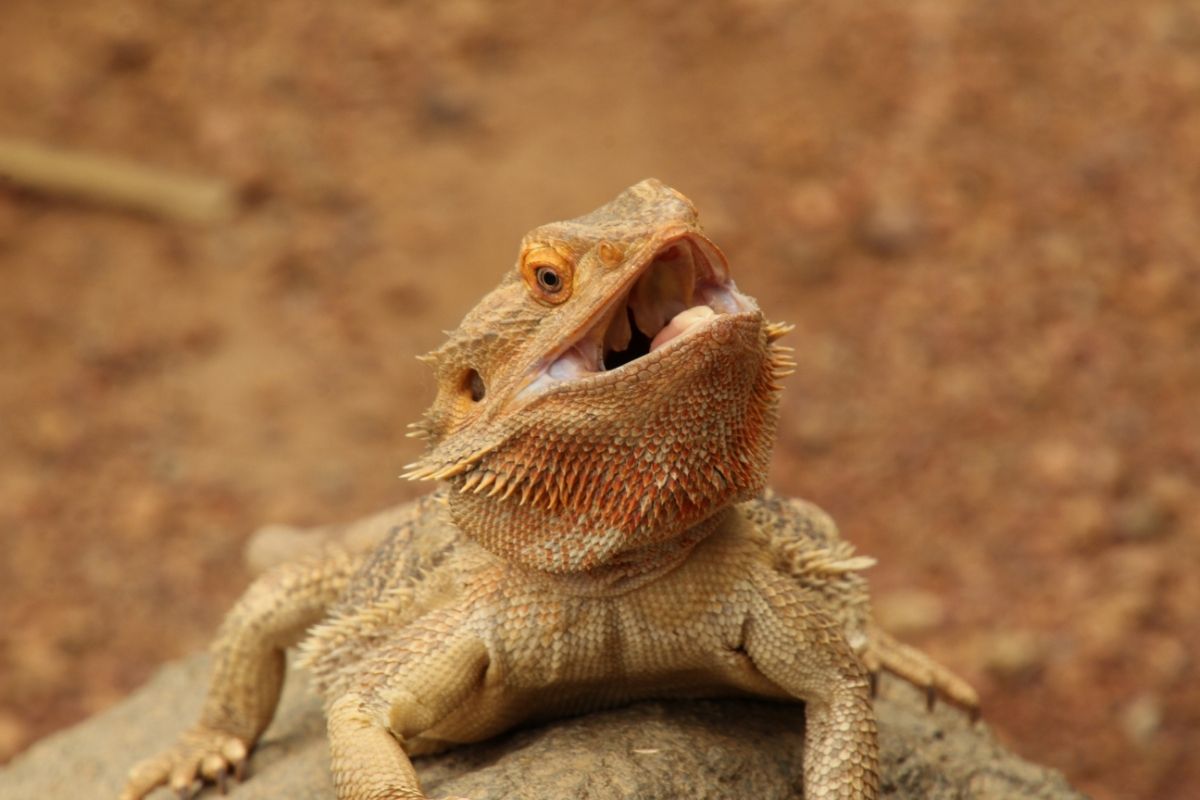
[(603, 423)]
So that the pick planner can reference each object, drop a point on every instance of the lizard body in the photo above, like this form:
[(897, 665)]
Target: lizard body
[(603, 421)]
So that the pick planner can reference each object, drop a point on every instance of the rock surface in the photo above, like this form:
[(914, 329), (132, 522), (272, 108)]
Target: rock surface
[(728, 749)]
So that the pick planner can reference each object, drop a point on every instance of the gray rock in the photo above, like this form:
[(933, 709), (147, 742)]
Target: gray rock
[(709, 749)]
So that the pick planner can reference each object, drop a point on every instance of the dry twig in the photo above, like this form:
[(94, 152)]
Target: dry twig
[(115, 182)]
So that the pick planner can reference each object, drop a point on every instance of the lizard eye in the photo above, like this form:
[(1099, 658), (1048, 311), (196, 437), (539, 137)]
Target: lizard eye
[(549, 279), (548, 274)]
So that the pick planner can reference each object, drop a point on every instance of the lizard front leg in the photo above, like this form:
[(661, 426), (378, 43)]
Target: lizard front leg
[(248, 668), (803, 651), (407, 688)]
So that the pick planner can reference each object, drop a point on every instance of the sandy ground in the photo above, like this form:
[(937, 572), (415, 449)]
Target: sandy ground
[(982, 217)]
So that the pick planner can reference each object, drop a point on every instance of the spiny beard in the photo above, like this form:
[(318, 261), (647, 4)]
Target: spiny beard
[(582, 484)]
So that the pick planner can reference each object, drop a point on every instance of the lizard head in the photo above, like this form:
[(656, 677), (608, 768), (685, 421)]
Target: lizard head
[(614, 391)]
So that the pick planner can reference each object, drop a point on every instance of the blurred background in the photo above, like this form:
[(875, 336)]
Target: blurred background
[(982, 217)]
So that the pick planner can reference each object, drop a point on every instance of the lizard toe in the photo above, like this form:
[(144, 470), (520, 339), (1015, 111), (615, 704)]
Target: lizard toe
[(186, 791), (235, 753), (215, 769), (145, 777), (202, 755), (183, 781)]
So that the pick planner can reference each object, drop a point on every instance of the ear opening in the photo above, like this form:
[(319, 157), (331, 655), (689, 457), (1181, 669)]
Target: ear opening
[(474, 386)]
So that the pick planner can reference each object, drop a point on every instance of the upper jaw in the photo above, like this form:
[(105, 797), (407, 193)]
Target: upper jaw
[(680, 288)]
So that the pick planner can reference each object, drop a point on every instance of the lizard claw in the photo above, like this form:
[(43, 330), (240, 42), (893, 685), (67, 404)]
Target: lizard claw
[(216, 769), (202, 755), (913, 666), (235, 753)]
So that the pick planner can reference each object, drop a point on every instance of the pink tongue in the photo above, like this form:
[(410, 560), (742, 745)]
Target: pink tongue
[(680, 323)]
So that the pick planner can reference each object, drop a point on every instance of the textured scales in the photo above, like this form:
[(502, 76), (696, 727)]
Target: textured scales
[(603, 422)]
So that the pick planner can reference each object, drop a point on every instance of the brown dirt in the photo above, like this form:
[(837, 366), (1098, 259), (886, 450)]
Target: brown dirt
[(982, 216)]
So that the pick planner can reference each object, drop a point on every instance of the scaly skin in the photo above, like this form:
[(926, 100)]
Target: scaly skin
[(605, 536)]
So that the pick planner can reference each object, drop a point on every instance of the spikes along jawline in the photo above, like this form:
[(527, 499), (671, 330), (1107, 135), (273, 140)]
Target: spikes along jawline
[(777, 330), (781, 362)]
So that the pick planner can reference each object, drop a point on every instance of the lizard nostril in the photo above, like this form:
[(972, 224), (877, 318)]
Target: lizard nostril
[(610, 254)]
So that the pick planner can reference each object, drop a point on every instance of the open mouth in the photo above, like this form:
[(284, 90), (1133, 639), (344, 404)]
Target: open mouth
[(683, 288)]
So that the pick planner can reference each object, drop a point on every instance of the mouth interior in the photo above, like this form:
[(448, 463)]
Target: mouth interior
[(681, 289), (639, 345)]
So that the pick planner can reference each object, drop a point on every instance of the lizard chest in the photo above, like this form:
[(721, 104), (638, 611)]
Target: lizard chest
[(674, 632), (554, 653)]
